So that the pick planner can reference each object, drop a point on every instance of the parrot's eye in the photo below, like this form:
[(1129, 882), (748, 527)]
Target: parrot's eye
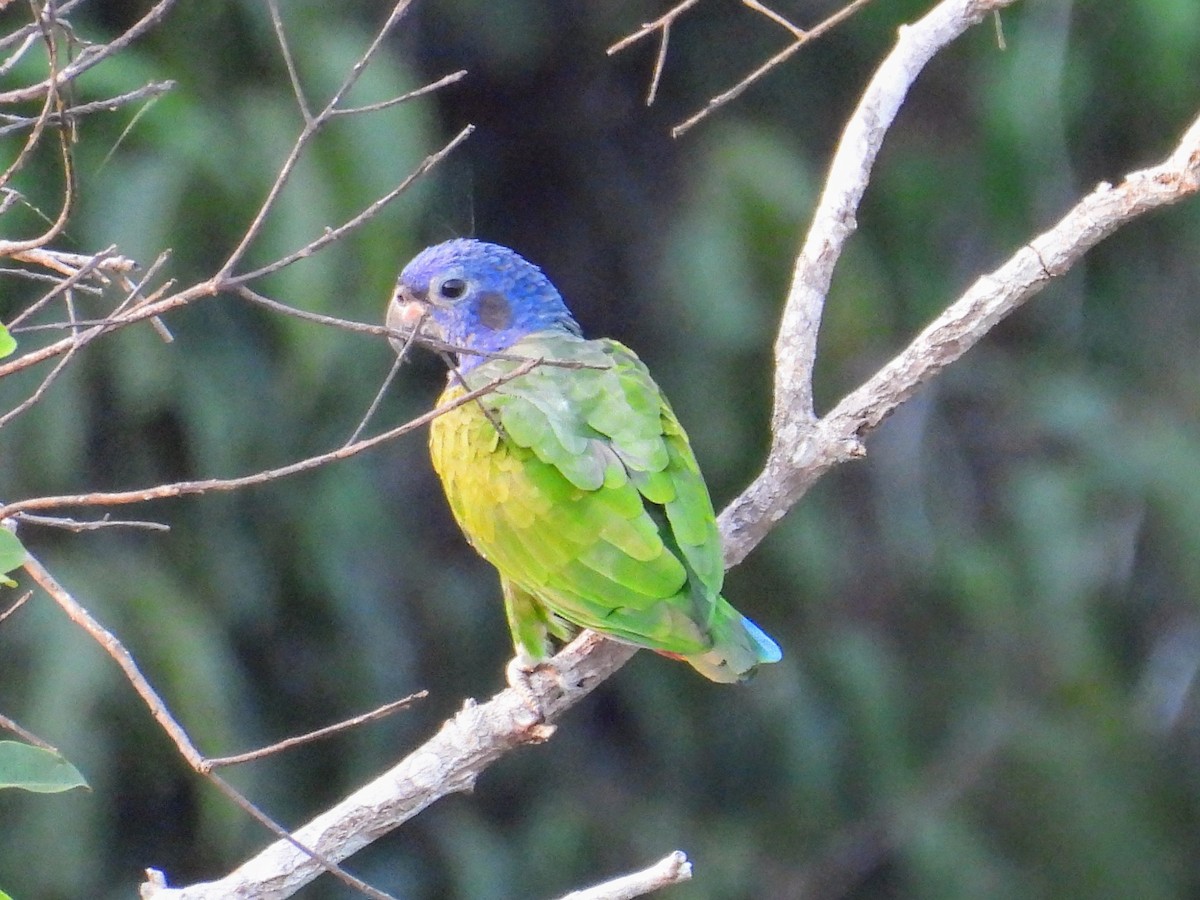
[(452, 289)]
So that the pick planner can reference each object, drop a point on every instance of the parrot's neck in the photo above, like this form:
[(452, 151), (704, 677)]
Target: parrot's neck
[(489, 341)]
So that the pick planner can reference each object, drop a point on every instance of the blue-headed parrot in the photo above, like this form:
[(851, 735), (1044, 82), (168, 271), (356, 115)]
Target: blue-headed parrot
[(577, 483)]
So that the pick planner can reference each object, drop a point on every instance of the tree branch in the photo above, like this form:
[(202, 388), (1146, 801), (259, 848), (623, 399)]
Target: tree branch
[(803, 449), (834, 219), (213, 485), (447, 763), (671, 869), (91, 56)]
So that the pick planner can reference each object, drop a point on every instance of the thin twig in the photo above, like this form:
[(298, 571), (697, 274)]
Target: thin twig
[(332, 234), (154, 307), (53, 102), (663, 21), (16, 604), (403, 98), (91, 56), (24, 734), (39, 124), (147, 92), (64, 263), (286, 50), (382, 392), (283, 834), (123, 658), (374, 715), (660, 63), (27, 37), (90, 525), (44, 278), (392, 334), (311, 126), (162, 714), (214, 485), (797, 32), (447, 763), (778, 59), (75, 274), (40, 391)]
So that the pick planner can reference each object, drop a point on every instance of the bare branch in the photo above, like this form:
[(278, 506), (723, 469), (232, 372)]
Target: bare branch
[(332, 234), (24, 734), (213, 485), (804, 449), (124, 659), (802, 37), (374, 715), (384, 386), (53, 103), (15, 605), (91, 56), (91, 525), (286, 50), (146, 92), (671, 869), (797, 32), (849, 173), (312, 125), (447, 763), (25, 38), (426, 341), (76, 268), (663, 21), (403, 98), (40, 390)]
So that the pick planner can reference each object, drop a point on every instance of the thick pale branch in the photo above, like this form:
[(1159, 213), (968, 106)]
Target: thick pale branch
[(834, 219), (804, 451), (671, 869), (447, 763)]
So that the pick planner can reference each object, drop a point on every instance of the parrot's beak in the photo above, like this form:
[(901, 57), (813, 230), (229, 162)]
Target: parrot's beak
[(407, 312)]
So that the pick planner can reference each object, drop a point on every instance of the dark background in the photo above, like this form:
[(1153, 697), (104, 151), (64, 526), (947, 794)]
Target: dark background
[(990, 626)]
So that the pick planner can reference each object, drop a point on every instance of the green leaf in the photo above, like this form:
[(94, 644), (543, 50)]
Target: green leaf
[(7, 345), (4, 896), (35, 769), (12, 555)]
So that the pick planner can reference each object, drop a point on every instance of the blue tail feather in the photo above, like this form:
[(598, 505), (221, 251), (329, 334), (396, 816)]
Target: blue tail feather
[(768, 650)]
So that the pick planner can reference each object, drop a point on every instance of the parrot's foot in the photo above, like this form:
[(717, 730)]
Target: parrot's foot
[(517, 673)]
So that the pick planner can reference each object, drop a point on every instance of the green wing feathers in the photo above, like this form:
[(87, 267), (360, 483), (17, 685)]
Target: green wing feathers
[(589, 502)]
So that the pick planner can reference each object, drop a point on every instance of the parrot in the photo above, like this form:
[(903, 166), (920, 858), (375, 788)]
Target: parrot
[(574, 479)]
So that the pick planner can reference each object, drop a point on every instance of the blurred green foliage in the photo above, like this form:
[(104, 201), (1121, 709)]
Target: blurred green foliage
[(991, 627)]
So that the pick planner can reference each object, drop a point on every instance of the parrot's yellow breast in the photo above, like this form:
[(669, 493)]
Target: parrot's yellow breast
[(485, 479)]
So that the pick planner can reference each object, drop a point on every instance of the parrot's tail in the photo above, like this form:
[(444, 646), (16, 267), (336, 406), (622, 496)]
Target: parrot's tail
[(739, 646)]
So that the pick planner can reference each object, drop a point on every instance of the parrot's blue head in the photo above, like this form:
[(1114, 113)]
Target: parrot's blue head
[(476, 295)]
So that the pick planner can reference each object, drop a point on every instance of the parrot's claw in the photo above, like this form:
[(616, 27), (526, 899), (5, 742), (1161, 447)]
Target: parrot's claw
[(517, 673)]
